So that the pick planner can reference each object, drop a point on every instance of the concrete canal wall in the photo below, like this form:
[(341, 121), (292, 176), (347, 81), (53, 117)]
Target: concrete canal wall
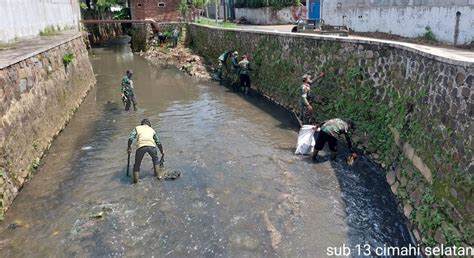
[(26, 19), (39, 92), (414, 112)]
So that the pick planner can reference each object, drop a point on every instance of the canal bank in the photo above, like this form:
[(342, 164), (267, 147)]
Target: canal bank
[(413, 109), (242, 191), (42, 82)]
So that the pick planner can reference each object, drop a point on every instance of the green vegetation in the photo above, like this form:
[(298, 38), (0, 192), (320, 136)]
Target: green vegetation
[(67, 58), (209, 22), (102, 9), (275, 4), (35, 164), (429, 35), (183, 8), (50, 31)]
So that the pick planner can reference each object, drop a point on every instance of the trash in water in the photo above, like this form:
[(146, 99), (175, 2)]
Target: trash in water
[(86, 148), (210, 192), (13, 226), (350, 160), (101, 214), (172, 175), (98, 215), (16, 224)]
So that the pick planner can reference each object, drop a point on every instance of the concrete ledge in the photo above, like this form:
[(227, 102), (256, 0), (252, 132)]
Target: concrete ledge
[(32, 47), (436, 53)]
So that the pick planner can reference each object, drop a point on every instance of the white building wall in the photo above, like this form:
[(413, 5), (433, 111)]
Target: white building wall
[(407, 18), (264, 15), (26, 18)]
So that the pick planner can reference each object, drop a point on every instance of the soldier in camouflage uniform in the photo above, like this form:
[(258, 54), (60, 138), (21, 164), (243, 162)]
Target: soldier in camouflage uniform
[(128, 96), (244, 70), (329, 131)]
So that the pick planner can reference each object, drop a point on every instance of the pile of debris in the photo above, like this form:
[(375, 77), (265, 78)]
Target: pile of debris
[(180, 57)]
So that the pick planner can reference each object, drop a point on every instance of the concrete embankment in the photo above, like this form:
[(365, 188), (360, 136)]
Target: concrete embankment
[(42, 82), (414, 112)]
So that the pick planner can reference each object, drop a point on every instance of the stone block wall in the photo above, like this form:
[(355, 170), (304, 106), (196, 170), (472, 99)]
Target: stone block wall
[(414, 113), (39, 95), (98, 33)]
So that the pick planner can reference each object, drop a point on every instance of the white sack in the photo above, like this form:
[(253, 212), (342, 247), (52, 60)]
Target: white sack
[(306, 140)]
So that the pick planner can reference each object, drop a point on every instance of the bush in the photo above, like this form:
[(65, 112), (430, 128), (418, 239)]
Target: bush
[(67, 58), (429, 35), (275, 4)]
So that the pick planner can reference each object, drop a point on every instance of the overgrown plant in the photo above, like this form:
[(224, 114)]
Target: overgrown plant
[(275, 4), (67, 58), (429, 35)]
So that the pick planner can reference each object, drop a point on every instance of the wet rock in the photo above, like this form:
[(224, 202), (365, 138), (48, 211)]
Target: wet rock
[(403, 181), (454, 193), (395, 187), (439, 237), (470, 207), (465, 92), (416, 234), (369, 54), (390, 177), (407, 209), (416, 197), (460, 77)]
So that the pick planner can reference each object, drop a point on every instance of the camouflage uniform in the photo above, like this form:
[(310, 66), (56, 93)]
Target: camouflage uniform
[(127, 90)]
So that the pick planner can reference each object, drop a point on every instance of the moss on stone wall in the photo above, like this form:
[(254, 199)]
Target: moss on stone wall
[(397, 98)]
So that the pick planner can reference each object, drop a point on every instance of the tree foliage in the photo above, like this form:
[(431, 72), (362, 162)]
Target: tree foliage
[(276, 4)]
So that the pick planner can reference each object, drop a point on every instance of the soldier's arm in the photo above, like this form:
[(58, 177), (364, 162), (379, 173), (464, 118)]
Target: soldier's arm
[(349, 142), (158, 143), (305, 96), (131, 137)]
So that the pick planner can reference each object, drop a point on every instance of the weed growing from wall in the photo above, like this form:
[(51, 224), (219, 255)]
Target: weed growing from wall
[(68, 58)]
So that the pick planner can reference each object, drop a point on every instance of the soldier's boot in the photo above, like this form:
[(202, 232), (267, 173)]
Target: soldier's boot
[(159, 172), (135, 176), (314, 157)]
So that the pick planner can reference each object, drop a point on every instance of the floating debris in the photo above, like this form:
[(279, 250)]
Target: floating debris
[(86, 148), (98, 215)]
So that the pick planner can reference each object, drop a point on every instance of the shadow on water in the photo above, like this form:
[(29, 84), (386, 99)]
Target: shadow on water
[(373, 216)]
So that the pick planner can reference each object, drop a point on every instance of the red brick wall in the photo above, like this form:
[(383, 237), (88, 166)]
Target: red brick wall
[(142, 9)]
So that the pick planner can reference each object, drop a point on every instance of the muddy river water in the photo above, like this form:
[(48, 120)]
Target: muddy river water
[(243, 193)]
